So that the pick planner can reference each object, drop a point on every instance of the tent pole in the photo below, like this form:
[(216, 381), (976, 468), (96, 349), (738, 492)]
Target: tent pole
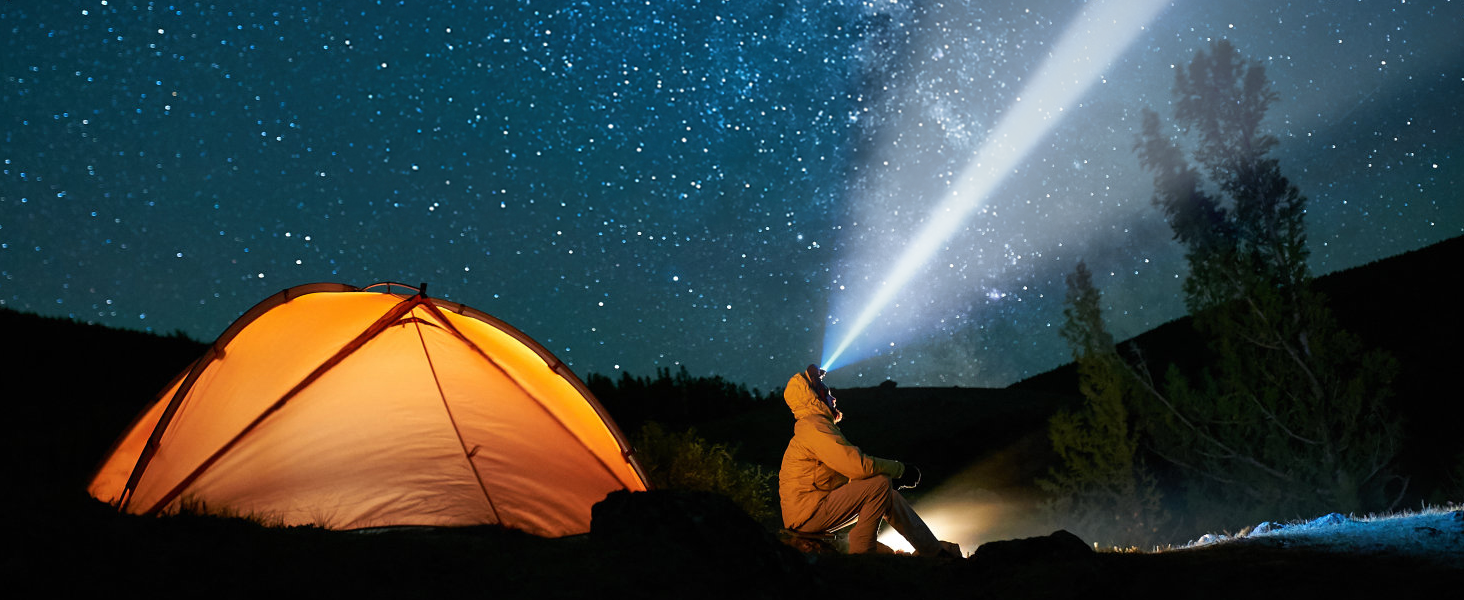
[(154, 440), (386, 320)]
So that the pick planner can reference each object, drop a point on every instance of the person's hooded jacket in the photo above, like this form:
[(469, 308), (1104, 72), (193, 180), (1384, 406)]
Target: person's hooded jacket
[(819, 459)]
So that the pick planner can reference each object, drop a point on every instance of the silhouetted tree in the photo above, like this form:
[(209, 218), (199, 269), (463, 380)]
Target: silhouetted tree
[(1101, 489), (1291, 417), (680, 399)]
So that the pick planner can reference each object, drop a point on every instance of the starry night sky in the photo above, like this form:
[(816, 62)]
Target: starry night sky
[(652, 184)]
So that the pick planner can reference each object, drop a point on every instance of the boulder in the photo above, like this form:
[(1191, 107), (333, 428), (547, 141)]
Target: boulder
[(698, 536), (1057, 546)]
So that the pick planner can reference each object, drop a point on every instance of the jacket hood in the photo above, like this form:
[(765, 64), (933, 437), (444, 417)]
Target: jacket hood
[(802, 400)]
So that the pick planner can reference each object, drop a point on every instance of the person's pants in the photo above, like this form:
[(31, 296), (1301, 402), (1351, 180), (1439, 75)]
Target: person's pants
[(871, 500)]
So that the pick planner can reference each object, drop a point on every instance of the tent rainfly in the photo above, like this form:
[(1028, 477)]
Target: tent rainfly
[(349, 408)]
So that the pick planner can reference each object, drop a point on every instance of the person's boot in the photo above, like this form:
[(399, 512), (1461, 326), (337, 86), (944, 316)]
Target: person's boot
[(951, 549), (947, 550)]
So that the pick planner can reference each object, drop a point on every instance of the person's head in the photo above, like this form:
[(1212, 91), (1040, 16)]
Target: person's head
[(807, 393), (815, 374)]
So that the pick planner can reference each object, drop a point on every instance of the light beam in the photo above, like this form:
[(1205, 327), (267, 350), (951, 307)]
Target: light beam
[(1094, 39)]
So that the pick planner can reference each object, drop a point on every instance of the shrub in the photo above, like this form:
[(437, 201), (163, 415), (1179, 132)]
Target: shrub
[(685, 461)]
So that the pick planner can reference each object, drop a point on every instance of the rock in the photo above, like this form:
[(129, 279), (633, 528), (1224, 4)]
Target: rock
[(1328, 520), (1059, 566), (1058, 546), (698, 536)]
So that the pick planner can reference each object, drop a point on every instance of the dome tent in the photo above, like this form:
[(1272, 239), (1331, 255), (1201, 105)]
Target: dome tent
[(349, 408)]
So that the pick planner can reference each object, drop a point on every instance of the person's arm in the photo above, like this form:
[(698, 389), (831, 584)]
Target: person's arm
[(829, 445)]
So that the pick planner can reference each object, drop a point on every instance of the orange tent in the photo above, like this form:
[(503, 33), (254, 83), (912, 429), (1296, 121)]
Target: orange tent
[(348, 408)]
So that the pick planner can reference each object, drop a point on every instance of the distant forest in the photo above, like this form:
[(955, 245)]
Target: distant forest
[(679, 399)]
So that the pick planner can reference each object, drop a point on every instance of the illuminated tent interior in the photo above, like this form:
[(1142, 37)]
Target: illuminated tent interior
[(350, 408)]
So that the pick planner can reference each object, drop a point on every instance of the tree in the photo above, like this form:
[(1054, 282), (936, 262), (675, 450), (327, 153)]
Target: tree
[(1101, 489), (1291, 417), (679, 399)]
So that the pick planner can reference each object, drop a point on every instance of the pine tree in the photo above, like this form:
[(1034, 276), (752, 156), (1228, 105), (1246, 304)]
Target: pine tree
[(1291, 416), (1101, 489)]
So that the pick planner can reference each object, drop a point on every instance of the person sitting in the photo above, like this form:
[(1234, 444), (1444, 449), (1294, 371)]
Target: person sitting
[(825, 482)]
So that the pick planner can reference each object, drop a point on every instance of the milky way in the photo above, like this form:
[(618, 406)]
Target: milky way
[(651, 184)]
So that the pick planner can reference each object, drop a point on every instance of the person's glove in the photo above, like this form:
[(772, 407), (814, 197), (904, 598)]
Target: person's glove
[(910, 479)]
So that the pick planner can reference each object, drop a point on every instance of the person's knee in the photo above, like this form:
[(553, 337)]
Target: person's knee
[(879, 489)]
